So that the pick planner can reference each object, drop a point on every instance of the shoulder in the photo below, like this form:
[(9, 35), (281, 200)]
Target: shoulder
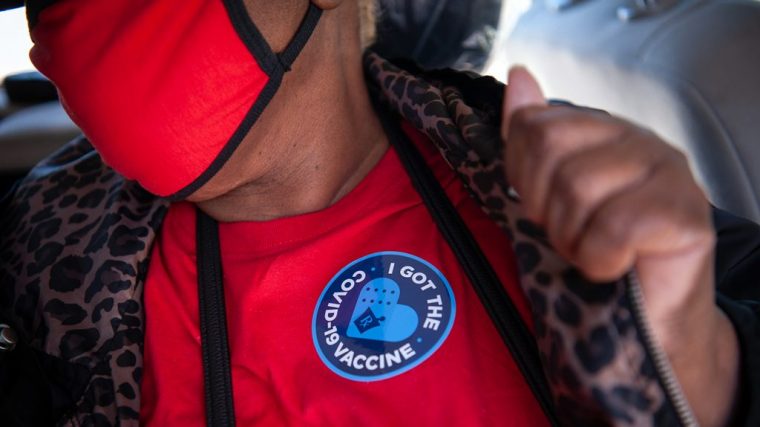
[(69, 187), (58, 224)]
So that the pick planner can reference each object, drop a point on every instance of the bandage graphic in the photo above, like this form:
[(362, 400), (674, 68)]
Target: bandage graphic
[(378, 315)]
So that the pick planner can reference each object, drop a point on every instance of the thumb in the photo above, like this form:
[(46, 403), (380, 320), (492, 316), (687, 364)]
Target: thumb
[(522, 91)]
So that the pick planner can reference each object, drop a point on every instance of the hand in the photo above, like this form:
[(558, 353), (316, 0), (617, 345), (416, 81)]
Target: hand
[(613, 197)]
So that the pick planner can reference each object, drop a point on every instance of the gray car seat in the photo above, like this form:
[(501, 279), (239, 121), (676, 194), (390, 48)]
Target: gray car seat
[(32, 133), (689, 69), (438, 33), (33, 124)]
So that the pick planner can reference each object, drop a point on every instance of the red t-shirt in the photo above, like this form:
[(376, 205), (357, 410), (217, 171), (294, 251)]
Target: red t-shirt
[(289, 365)]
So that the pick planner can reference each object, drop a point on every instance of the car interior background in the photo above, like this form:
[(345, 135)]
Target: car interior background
[(687, 69)]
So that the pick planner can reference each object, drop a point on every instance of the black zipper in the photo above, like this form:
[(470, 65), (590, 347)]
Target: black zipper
[(665, 373), (217, 377)]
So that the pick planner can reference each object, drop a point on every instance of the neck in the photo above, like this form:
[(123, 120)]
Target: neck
[(317, 139)]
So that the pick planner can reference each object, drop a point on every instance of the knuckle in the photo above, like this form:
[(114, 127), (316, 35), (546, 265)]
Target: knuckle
[(546, 131), (661, 149), (607, 273), (598, 264), (572, 183), (544, 139), (697, 220), (678, 157), (597, 272), (612, 231), (530, 119), (525, 117), (707, 236), (606, 259)]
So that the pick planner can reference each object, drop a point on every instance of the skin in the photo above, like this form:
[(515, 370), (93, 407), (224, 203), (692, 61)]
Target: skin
[(612, 196), (318, 137)]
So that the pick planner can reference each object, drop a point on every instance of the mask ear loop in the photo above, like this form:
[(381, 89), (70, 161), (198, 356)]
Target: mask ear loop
[(305, 30), (273, 64)]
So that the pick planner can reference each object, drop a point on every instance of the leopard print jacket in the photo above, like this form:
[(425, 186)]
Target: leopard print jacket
[(76, 240)]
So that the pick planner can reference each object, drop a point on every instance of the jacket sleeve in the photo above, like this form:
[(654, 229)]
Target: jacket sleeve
[(738, 284)]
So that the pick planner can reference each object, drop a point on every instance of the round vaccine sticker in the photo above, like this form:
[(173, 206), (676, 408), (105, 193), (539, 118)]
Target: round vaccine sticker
[(382, 315)]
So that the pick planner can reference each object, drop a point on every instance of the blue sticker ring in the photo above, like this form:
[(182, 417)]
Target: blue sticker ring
[(382, 315)]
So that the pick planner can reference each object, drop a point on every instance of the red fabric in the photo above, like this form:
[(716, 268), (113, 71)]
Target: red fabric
[(274, 273), (158, 87)]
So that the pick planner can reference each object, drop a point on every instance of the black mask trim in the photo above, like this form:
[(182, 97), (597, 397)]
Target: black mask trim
[(274, 65)]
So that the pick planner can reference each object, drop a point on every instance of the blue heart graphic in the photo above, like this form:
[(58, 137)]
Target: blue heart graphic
[(378, 315)]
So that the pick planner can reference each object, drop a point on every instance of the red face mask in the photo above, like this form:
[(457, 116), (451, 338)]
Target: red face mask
[(165, 90)]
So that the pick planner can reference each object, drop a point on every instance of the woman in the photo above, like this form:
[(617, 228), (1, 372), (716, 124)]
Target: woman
[(245, 247)]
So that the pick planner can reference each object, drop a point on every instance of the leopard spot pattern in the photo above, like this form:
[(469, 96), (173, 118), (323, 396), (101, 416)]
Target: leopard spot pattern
[(91, 313)]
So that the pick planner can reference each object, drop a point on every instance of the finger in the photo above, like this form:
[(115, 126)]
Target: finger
[(522, 91), (540, 137), (645, 222), (585, 179)]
